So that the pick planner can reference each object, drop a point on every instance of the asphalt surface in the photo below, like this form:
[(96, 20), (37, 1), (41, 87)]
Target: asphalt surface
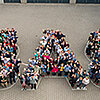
[(75, 21)]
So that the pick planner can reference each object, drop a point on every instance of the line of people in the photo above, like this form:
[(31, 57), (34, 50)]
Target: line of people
[(9, 65), (54, 57), (93, 52)]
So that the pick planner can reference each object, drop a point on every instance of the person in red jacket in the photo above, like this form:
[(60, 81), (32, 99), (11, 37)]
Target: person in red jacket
[(14, 48), (45, 55), (54, 69)]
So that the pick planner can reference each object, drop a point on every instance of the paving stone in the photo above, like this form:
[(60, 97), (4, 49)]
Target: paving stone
[(75, 21)]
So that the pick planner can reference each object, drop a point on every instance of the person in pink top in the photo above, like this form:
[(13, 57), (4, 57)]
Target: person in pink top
[(54, 69), (45, 55)]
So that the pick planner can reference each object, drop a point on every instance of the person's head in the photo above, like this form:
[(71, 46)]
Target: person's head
[(45, 35), (5, 58), (32, 76), (27, 74), (36, 65), (84, 71), (33, 59), (55, 38), (52, 31), (99, 71), (80, 78), (62, 64), (8, 29), (5, 65), (47, 29), (24, 69), (28, 70), (2, 76), (91, 36), (73, 70), (59, 32), (86, 78), (80, 67), (71, 52), (3, 70), (78, 72), (74, 75), (45, 53), (37, 53), (60, 47), (48, 65), (23, 76), (55, 65), (13, 65), (10, 70), (99, 34), (45, 58), (75, 66), (96, 60), (14, 60), (58, 57), (64, 57), (43, 40)]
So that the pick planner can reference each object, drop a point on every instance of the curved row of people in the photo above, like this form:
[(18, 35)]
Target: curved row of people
[(93, 52), (9, 65)]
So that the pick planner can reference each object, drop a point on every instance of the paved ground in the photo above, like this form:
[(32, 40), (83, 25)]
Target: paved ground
[(76, 21)]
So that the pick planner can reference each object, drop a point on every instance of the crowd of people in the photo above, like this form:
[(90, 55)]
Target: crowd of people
[(52, 57), (9, 65), (93, 52), (62, 62)]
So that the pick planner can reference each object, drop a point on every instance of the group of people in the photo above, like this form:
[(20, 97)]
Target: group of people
[(93, 52), (9, 65), (54, 57)]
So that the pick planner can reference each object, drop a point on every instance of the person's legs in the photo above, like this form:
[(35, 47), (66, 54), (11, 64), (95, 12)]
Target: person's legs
[(97, 81), (31, 86), (66, 74), (48, 73), (24, 87), (91, 75), (78, 85), (53, 74), (2, 84), (71, 82), (35, 86), (83, 85), (5, 84), (10, 80), (60, 73), (14, 79)]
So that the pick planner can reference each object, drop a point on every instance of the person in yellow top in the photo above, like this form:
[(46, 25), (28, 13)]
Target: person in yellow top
[(60, 69)]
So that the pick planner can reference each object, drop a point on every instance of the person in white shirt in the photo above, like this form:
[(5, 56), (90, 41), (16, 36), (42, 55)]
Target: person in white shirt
[(6, 60), (43, 42), (85, 82)]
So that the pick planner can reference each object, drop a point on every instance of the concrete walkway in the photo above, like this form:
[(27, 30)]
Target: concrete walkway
[(75, 21)]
